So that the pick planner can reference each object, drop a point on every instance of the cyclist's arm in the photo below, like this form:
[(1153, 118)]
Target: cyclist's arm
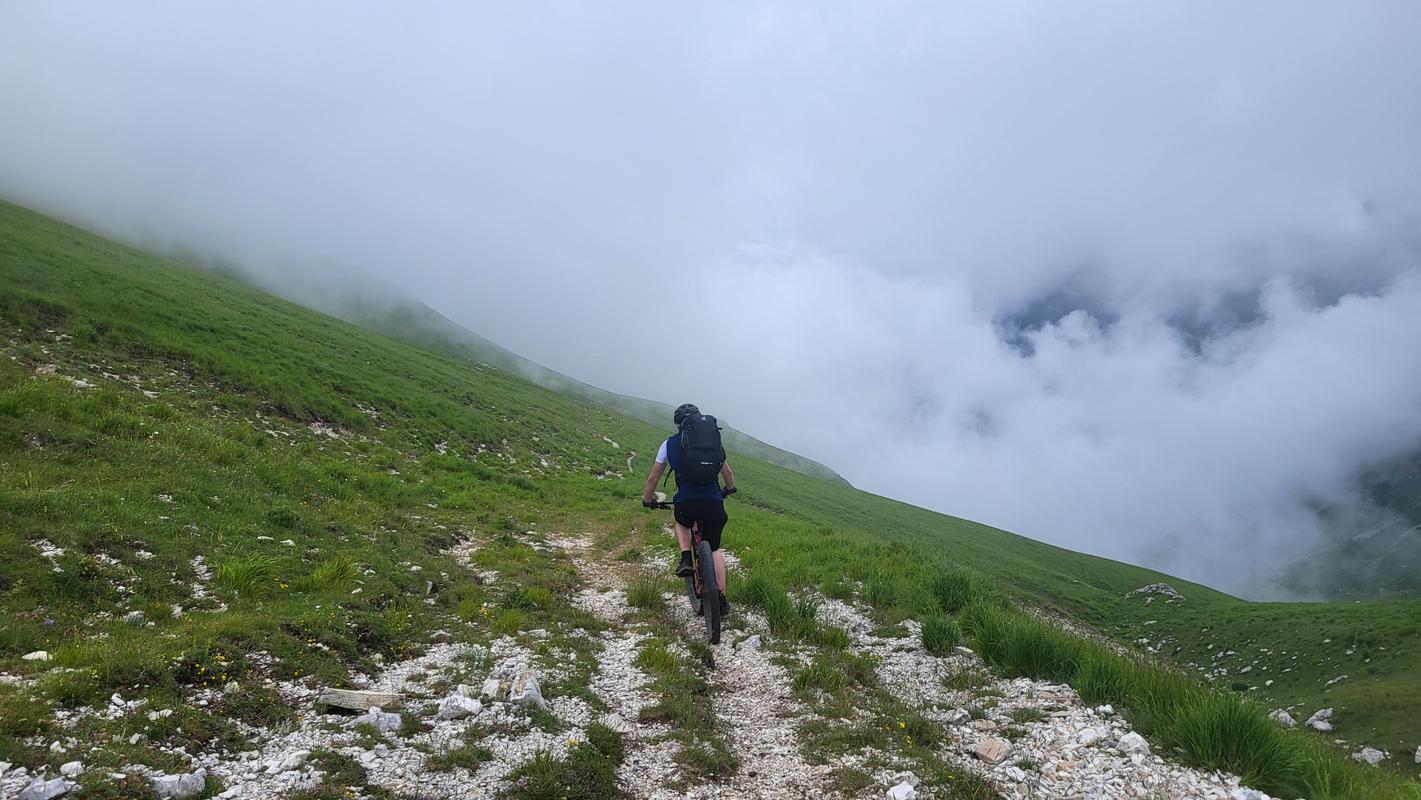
[(648, 492), (727, 476)]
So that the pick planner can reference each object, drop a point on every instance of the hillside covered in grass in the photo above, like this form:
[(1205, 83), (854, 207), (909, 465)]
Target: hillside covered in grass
[(201, 485)]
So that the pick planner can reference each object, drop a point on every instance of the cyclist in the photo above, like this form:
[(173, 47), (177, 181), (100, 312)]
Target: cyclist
[(703, 503)]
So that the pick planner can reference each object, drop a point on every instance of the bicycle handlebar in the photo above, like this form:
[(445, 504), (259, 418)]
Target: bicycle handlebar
[(665, 506)]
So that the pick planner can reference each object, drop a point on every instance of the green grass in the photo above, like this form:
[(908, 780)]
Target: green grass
[(646, 595), (196, 439), (940, 634), (588, 772)]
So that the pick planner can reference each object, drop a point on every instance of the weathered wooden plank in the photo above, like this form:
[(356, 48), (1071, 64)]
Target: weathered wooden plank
[(357, 700)]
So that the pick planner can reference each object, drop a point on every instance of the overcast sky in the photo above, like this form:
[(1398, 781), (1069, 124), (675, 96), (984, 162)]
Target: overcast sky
[(1135, 278)]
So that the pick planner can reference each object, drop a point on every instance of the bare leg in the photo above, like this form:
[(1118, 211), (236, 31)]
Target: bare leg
[(719, 570), (683, 537)]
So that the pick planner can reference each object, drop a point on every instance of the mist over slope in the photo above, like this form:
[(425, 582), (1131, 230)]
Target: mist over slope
[(1140, 280), (421, 325)]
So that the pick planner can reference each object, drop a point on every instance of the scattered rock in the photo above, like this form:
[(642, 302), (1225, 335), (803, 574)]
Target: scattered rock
[(992, 750), (41, 789), (905, 777), (1282, 717), (460, 704), (383, 722), (1369, 755), (1418, 755), (72, 769), (1247, 794), (1133, 743), (180, 787), (355, 700), (494, 689), (231, 687), (903, 791), (751, 644), (1321, 720), (290, 762), (524, 690), (617, 723), (1090, 737), (38, 655), (958, 716), (1163, 589)]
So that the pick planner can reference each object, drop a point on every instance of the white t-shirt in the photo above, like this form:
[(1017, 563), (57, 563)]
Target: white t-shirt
[(661, 454)]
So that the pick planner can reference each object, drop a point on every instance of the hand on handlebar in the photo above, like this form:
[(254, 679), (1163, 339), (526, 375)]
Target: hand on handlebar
[(724, 493), (655, 504)]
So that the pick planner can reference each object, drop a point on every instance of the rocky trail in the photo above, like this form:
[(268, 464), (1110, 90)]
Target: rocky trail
[(470, 716)]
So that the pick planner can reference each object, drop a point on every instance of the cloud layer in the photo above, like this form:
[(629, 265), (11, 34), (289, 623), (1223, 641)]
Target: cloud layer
[(1140, 280)]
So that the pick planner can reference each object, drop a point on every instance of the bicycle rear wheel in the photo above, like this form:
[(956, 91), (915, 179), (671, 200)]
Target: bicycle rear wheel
[(710, 593), (692, 596)]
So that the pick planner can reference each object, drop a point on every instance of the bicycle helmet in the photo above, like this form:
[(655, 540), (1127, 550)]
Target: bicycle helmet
[(684, 410)]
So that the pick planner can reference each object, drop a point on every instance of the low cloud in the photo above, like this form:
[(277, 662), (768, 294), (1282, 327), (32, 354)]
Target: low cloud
[(1135, 279)]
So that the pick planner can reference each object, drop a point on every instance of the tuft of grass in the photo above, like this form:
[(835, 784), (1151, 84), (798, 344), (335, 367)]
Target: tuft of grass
[(940, 634), (588, 772), (1218, 732), (1026, 714), (955, 589), (467, 755), (337, 573), (247, 575), (508, 621), (1022, 644), (645, 594)]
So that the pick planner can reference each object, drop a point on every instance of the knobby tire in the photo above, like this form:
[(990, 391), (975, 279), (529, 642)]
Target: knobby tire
[(710, 592)]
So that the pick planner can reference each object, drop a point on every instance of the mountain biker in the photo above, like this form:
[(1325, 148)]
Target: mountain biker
[(703, 503)]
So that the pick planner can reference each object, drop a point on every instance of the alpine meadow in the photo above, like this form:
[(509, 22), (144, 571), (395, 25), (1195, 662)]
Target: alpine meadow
[(216, 506)]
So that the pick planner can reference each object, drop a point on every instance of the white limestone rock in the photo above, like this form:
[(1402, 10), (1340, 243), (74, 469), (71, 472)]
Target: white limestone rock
[(524, 690), (38, 655), (1133, 742), (181, 786), (41, 789), (1282, 717), (1321, 720), (382, 721), (1369, 755), (458, 705), (72, 769), (903, 791)]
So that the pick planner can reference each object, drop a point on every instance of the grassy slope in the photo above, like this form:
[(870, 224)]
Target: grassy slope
[(237, 375), (426, 328)]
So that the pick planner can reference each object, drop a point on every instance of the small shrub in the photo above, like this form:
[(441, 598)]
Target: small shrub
[(940, 635)]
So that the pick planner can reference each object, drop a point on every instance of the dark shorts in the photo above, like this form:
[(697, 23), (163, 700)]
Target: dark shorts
[(711, 515)]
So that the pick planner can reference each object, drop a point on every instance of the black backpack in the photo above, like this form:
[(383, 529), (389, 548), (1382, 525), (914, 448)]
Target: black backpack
[(702, 455)]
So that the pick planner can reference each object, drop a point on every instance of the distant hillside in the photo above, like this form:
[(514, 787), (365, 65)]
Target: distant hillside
[(1375, 551), (422, 326)]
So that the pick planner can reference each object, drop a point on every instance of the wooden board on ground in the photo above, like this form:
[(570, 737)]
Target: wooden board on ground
[(357, 700)]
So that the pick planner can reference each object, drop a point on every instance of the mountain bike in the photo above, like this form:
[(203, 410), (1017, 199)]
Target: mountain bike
[(701, 589)]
